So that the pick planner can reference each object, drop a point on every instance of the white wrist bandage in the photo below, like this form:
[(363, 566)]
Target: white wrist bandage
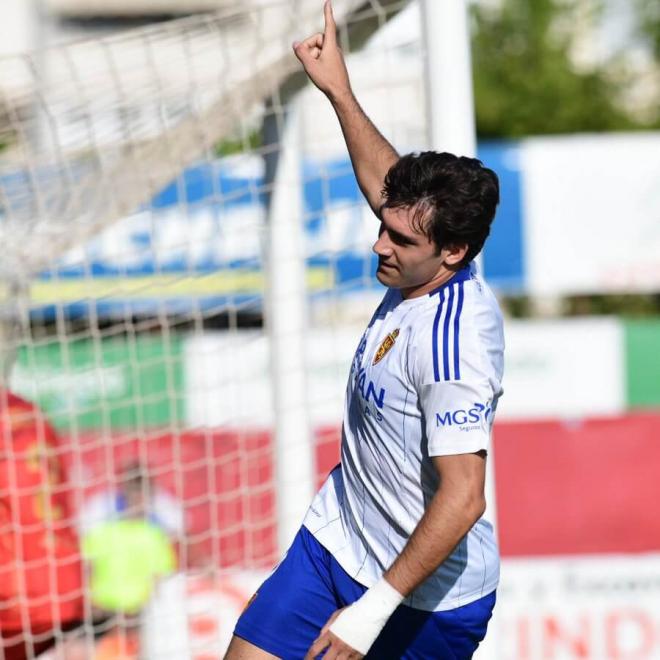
[(360, 623)]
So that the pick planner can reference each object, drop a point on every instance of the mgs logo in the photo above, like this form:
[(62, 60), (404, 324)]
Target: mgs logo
[(464, 417), (385, 346)]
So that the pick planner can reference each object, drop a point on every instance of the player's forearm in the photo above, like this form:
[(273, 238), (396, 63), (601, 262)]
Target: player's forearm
[(446, 521), (371, 154)]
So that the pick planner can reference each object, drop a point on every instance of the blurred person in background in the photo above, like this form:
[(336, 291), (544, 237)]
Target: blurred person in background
[(41, 588), (394, 558), (126, 555)]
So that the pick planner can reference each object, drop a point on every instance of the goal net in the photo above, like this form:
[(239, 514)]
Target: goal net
[(186, 270)]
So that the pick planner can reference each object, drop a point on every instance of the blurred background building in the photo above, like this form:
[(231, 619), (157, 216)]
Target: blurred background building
[(145, 339)]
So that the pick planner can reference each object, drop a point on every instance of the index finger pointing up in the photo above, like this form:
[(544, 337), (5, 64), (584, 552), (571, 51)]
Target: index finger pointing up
[(330, 31)]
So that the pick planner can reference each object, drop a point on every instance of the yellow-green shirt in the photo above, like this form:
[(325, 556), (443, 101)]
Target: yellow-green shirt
[(126, 557)]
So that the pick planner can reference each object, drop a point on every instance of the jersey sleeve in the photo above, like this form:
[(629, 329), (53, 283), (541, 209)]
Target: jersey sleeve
[(456, 389), (457, 417)]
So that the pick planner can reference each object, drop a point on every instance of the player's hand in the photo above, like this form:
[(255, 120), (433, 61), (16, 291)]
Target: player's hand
[(336, 648), (322, 58)]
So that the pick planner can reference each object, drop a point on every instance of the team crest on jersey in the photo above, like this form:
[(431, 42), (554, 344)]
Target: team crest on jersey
[(385, 346)]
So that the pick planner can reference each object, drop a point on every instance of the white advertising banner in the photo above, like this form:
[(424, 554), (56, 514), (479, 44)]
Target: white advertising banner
[(567, 368), (192, 616), (585, 607), (604, 607), (591, 213), (228, 384)]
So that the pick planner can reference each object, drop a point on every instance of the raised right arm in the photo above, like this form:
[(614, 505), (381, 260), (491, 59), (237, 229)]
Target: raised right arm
[(371, 154)]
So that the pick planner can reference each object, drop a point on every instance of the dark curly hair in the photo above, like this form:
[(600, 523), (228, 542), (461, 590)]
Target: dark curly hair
[(454, 198)]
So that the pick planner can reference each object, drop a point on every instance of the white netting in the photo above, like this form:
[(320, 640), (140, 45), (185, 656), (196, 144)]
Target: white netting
[(134, 185), (100, 126)]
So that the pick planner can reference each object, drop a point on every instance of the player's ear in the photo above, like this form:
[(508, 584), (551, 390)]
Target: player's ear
[(454, 253)]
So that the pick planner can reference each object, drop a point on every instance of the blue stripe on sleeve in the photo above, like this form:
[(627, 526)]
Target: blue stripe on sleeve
[(459, 308), (445, 337), (436, 321)]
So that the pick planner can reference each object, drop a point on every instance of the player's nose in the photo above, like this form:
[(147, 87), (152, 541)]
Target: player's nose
[(382, 246)]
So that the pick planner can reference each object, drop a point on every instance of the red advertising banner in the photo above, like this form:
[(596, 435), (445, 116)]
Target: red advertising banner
[(587, 486), (561, 488)]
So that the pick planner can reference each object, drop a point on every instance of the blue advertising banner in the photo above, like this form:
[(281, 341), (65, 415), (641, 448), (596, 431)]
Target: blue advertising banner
[(200, 242)]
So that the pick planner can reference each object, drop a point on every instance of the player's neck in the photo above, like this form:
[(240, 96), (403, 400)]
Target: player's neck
[(442, 276)]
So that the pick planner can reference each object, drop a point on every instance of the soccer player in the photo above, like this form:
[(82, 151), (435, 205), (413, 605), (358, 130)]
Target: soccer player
[(394, 558)]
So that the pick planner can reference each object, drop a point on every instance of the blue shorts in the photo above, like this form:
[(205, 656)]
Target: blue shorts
[(288, 611)]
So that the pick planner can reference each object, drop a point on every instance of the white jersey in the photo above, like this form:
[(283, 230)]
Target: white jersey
[(424, 382)]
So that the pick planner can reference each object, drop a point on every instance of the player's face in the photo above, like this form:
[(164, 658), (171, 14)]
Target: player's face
[(407, 258)]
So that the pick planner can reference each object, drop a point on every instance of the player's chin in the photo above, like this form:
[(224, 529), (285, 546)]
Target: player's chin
[(387, 277)]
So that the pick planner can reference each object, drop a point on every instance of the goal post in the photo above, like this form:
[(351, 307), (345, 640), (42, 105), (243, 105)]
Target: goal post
[(452, 127)]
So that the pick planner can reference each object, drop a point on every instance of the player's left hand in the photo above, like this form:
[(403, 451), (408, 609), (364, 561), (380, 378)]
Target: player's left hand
[(336, 648), (323, 60)]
